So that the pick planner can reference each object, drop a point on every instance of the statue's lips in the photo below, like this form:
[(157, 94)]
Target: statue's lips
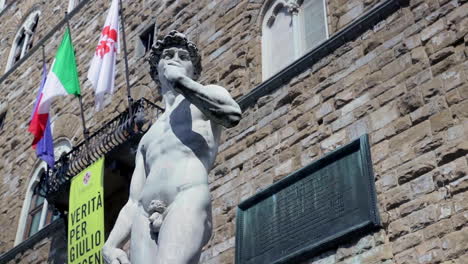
[(173, 63)]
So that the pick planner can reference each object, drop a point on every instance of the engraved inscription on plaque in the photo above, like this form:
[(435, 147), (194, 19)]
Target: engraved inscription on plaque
[(310, 210)]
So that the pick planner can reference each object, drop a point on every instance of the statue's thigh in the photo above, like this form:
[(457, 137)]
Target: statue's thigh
[(143, 247), (183, 234)]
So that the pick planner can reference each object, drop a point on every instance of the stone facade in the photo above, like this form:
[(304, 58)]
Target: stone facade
[(404, 82)]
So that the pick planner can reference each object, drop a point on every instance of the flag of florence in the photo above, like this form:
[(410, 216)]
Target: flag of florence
[(102, 70)]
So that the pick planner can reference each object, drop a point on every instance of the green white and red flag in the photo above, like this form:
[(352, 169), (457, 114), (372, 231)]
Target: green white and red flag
[(61, 80)]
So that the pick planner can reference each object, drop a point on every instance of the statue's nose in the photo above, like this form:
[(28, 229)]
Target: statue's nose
[(176, 57)]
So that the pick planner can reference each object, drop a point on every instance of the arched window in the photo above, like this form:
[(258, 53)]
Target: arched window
[(290, 28), (36, 212), (24, 39), (72, 4)]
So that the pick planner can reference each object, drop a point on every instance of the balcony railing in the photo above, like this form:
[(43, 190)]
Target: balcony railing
[(120, 130)]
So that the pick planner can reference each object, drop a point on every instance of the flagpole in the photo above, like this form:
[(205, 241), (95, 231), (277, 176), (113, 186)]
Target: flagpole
[(127, 78), (44, 63), (85, 130)]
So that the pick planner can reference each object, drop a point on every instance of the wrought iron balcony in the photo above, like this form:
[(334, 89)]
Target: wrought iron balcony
[(122, 132)]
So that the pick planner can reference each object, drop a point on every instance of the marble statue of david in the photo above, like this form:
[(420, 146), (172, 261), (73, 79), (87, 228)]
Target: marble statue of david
[(168, 214)]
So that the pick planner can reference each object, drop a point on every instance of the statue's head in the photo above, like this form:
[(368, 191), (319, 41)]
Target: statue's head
[(175, 46)]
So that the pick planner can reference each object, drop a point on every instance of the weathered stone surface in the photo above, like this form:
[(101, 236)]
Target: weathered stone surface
[(454, 243), (417, 167)]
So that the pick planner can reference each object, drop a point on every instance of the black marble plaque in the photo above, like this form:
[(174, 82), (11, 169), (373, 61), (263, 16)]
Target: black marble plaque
[(311, 210)]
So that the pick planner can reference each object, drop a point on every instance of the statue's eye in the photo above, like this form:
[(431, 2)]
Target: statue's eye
[(184, 56), (167, 55)]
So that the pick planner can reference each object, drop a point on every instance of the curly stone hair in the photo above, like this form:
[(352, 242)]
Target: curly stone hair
[(173, 39)]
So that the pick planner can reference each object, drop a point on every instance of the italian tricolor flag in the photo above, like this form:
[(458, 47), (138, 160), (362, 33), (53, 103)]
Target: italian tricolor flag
[(61, 80)]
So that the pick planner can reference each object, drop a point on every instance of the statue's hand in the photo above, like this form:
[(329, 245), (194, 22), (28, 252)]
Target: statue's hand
[(174, 74), (114, 255)]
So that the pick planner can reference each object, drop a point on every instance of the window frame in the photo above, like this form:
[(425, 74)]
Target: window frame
[(62, 146), (41, 209), (296, 11), (28, 30)]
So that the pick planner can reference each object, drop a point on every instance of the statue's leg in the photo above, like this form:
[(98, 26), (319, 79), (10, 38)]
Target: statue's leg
[(186, 227), (143, 245)]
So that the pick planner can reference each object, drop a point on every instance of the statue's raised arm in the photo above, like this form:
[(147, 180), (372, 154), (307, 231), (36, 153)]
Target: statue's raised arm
[(175, 63)]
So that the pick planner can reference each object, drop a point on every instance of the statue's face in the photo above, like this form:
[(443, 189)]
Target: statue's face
[(178, 57)]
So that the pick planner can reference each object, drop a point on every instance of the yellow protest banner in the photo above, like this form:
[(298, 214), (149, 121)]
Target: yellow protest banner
[(86, 216)]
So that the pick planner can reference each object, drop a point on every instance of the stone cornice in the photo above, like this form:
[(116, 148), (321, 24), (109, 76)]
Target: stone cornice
[(349, 33)]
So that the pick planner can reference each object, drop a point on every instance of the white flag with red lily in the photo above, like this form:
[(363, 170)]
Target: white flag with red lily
[(102, 70)]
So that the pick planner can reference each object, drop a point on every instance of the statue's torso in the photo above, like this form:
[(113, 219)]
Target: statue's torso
[(178, 150)]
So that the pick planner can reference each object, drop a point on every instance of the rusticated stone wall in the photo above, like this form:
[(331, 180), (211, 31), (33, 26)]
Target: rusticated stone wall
[(404, 82)]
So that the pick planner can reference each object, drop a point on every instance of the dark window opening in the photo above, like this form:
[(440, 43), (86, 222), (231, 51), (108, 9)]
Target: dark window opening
[(147, 38), (2, 119)]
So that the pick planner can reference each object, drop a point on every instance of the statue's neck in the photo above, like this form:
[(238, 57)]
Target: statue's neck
[(169, 96)]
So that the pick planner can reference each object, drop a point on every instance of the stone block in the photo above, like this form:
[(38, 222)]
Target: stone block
[(355, 103), (450, 172), (406, 257), (455, 243), (384, 116), (358, 128), (436, 105), (448, 62), (451, 151), (441, 55), (342, 122), (334, 141), (441, 121), (458, 14), (398, 229), (324, 109), (453, 97), (430, 251), (377, 255), (418, 79), (439, 42), (458, 186), (432, 30), (438, 229), (410, 101), (416, 168), (396, 66), (422, 218), (419, 55), (397, 196), (459, 220), (453, 78), (460, 111), (406, 242), (422, 185), (432, 88)]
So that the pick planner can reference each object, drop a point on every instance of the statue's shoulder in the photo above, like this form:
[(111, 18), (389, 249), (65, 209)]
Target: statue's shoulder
[(217, 88)]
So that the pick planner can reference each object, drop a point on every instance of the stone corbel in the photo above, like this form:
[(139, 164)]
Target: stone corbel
[(291, 5)]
